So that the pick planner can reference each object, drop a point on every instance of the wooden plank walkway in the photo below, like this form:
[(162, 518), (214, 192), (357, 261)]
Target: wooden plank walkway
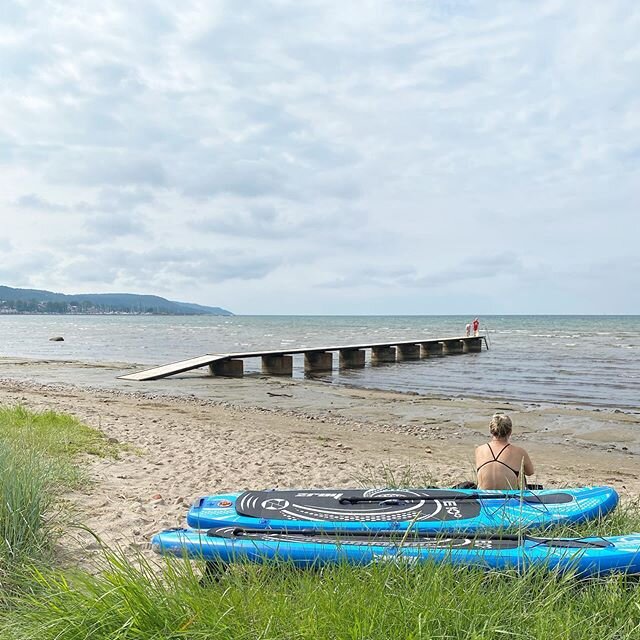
[(182, 366)]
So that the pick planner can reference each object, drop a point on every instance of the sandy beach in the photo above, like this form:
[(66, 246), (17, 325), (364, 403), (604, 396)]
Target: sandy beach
[(195, 435)]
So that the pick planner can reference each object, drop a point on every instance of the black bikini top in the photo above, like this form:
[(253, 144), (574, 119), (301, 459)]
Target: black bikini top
[(495, 459)]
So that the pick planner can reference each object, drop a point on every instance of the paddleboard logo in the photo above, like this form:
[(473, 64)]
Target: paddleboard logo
[(452, 508), (275, 504), (224, 503)]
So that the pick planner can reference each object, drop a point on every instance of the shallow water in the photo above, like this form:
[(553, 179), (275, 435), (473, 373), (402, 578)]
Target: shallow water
[(590, 360)]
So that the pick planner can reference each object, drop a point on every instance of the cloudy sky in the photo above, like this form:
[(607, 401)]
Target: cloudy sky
[(324, 156)]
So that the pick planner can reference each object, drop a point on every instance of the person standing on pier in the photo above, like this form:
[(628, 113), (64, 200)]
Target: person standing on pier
[(468, 329), (476, 326)]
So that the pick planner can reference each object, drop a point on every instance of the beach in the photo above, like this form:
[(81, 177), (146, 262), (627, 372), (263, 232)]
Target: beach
[(195, 435)]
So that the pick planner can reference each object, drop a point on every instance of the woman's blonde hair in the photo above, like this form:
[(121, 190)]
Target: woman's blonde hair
[(500, 426)]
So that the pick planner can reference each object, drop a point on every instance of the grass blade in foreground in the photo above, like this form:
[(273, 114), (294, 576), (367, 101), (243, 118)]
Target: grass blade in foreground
[(281, 602)]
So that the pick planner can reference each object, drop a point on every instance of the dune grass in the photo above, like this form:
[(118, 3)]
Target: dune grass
[(59, 436), (278, 601), (24, 501), (132, 598), (37, 455)]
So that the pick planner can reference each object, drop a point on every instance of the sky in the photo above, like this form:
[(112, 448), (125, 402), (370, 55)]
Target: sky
[(324, 157)]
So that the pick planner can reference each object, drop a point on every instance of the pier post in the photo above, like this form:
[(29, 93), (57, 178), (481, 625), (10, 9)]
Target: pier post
[(431, 349), (472, 345), (277, 365), (228, 368), (382, 354), (352, 358), (452, 347), (408, 352), (318, 361)]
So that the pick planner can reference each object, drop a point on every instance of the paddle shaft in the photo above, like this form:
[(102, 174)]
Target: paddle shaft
[(400, 533), (408, 534), (451, 496)]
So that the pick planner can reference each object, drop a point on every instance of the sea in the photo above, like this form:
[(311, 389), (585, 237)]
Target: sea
[(578, 360)]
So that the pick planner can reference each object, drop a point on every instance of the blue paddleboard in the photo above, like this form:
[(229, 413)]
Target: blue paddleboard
[(584, 556), (435, 510)]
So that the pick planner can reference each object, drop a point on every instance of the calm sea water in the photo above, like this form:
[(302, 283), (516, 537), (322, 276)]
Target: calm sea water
[(591, 360)]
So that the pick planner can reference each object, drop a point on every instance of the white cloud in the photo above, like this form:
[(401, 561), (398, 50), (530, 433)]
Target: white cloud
[(346, 155)]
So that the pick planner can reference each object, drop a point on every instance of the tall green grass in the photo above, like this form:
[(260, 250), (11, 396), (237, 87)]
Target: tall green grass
[(25, 500), (281, 602), (37, 454)]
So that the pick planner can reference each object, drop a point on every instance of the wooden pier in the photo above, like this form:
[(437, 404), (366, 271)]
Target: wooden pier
[(279, 362)]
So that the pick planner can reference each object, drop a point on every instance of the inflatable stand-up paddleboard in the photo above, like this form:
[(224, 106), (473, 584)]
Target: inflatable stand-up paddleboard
[(591, 556), (436, 510)]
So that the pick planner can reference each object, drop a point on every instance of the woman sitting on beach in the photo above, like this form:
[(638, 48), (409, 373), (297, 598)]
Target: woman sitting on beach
[(499, 463)]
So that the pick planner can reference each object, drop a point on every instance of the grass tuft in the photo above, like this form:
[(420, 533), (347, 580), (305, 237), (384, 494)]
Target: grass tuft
[(25, 498), (388, 476), (37, 455)]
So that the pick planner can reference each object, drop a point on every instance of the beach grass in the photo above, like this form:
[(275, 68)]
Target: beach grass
[(25, 501), (59, 436), (38, 455), (393, 476), (277, 601)]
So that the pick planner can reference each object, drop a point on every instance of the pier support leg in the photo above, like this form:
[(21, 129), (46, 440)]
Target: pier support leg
[(431, 349), (352, 358), (472, 345), (383, 354), (229, 368), (408, 352), (315, 361), (451, 347), (277, 365)]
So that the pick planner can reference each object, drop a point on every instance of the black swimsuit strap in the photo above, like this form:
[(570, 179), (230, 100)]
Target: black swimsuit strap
[(495, 459)]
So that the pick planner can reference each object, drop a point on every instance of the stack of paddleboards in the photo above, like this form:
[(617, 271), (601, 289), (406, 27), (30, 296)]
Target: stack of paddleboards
[(471, 527)]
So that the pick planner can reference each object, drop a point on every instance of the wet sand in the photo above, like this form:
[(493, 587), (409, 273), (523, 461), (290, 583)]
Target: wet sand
[(194, 434)]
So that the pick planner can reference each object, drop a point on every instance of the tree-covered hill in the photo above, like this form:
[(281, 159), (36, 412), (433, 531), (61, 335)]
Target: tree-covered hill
[(39, 301)]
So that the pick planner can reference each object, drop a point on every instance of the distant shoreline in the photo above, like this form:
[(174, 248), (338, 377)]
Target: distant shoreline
[(107, 313), (43, 302)]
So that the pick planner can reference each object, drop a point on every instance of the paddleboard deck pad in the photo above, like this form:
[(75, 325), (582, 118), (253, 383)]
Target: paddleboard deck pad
[(437, 510), (313, 547)]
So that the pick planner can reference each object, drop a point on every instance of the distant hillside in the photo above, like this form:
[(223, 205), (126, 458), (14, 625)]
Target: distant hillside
[(40, 301)]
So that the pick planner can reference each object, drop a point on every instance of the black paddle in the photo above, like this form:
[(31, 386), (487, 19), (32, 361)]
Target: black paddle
[(237, 532), (456, 497), (221, 532)]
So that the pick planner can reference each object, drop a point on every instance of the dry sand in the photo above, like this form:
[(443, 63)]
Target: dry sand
[(196, 435)]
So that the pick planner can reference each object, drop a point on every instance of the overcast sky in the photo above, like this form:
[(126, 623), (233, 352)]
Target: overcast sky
[(324, 156)]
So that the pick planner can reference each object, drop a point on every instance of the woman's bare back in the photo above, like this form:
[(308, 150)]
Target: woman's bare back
[(499, 465)]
